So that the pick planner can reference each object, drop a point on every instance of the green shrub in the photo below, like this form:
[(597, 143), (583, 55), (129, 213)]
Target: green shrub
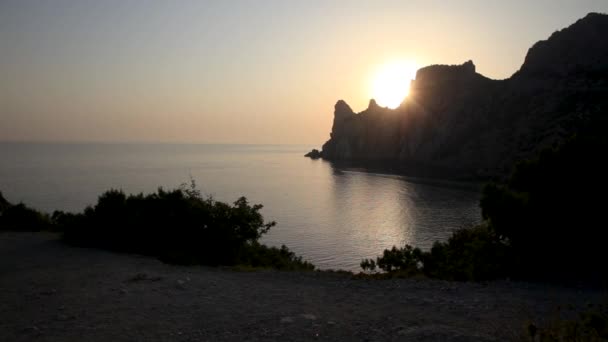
[(551, 212), (546, 222), (475, 253), (178, 226), (19, 217), (405, 261), (258, 255), (3, 203), (591, 325), (469, 254)]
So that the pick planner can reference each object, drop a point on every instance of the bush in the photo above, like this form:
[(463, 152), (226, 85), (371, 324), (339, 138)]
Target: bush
[(469, 254), (551, 212), (178, 226), (475, 253), (546, 222), (19, 217), (404, 261), (258, 255), (590, 325), (3, 203)]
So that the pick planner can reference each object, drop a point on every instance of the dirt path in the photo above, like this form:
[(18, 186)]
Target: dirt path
[(52, 292)]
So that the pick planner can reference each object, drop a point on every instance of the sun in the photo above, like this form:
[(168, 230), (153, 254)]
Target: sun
[(391, 83)]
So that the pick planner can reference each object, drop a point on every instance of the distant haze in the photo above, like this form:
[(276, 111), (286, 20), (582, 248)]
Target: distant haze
[(237, 71)]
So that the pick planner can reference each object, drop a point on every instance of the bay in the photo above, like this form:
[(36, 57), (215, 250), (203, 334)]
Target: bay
[(332, 216)]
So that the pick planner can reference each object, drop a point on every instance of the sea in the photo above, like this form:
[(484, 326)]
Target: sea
[(333, 216)]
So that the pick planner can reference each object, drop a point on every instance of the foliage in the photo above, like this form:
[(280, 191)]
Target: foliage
[(590, 326), (551, 212), (261, 256), (475, 253), (19, 217), (404, 260), (177, 226), (546, 222), (469, 254), (3, 203)]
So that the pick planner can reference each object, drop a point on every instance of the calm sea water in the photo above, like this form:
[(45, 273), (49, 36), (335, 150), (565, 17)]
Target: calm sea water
[(333, 217)]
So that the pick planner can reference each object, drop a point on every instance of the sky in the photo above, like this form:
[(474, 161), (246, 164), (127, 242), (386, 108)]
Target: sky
[(253, 72)]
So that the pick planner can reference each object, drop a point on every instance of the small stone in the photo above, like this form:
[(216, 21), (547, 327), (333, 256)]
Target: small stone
[(331, 323), (286, 320), (309, 317)]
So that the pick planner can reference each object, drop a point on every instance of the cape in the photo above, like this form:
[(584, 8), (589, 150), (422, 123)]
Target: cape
[(460, 123)]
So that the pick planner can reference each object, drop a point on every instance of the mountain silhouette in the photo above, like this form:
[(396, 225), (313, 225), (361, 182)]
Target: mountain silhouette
[(467, 125)]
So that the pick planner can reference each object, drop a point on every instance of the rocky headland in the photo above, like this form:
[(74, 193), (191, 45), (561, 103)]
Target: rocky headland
[(461, 124)]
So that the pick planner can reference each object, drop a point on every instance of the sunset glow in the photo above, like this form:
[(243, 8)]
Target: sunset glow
[(240, 72), (391, 83)]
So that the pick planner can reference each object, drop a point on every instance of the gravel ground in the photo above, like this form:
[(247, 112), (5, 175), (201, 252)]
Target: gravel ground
[(53, 292)]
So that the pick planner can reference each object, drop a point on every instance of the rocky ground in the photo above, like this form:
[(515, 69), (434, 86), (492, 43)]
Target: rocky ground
[(53, 292)]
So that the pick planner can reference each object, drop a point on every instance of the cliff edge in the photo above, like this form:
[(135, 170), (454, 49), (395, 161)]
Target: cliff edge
[(456, 119)]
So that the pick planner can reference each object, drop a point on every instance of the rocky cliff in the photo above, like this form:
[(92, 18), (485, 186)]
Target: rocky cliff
[(458, 120)]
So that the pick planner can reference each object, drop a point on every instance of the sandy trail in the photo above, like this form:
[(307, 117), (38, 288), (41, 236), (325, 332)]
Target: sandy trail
[(53, 292)]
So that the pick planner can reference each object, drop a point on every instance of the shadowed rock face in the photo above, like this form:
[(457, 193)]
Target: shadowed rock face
[(582, 47), (458, 120)]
